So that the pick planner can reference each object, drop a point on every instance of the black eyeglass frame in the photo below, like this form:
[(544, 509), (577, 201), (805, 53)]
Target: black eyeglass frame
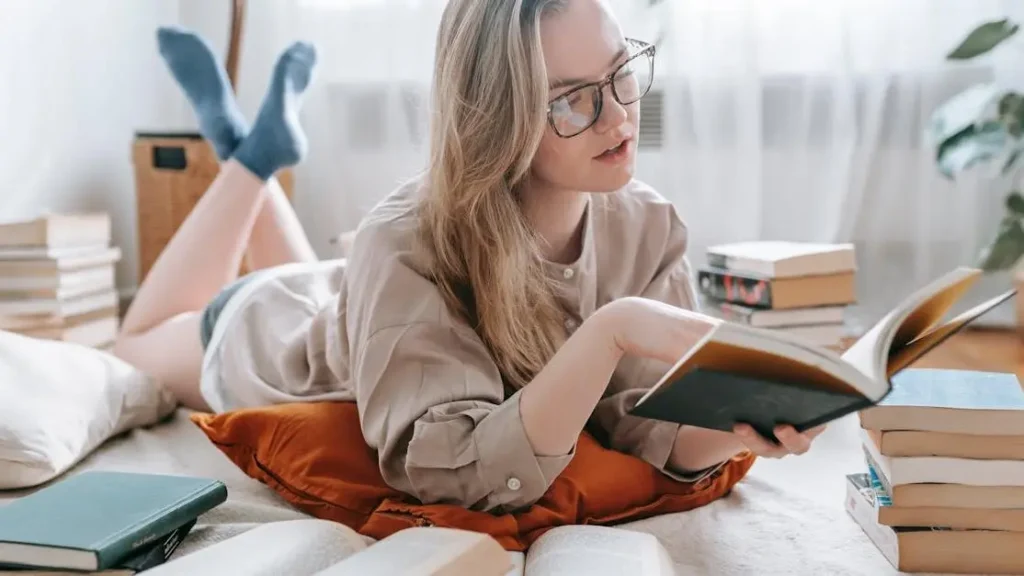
[(644, 49)]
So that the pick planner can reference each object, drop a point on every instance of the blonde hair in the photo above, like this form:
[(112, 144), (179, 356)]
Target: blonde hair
[(490, 101)]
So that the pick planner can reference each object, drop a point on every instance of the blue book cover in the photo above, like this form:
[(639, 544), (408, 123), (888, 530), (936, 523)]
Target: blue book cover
[(95, 520), (957, 389)]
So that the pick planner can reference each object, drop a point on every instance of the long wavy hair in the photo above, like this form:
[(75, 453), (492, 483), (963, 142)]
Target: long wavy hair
[(489, 114)]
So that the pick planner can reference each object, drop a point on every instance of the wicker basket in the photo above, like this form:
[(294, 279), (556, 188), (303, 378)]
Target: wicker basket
[(172, 172)]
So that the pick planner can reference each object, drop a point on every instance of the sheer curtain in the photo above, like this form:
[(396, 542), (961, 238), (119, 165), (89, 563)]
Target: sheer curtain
[(783, 119)]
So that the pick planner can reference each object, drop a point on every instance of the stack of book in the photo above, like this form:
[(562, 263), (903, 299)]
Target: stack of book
[(57, 278), (799, 288), (943, 484)]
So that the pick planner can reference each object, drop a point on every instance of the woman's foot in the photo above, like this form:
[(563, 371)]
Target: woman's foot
[(206, 87), (276, 139)]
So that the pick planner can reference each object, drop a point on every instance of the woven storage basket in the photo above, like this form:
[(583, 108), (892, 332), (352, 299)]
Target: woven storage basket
[(172, 172)]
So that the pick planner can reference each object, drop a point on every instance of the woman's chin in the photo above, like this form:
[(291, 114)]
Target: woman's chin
[(611, 181)]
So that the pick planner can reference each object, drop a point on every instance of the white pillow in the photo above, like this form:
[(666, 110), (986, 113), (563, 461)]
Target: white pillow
[(59, 401)]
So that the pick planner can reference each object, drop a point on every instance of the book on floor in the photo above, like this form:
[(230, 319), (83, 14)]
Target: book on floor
[(770, 293), (55, 231), (96, 520), (932, 549), (899, 470), (889, 513), (954, 401), (324, 548), (738, 373), (781, 259)]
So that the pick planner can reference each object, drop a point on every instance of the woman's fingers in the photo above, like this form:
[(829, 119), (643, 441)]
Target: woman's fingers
[(790, 441), (758, 444), (793, 441)]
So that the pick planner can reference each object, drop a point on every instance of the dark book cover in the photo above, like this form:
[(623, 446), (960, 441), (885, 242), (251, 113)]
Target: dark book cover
[(159, 552), (720, 400), (96, 520), (746, 289)]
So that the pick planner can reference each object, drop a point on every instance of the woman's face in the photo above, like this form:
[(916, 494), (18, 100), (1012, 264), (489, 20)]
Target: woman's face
[(583, 43)]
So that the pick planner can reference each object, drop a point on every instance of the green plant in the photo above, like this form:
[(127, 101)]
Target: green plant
[(983, 124)]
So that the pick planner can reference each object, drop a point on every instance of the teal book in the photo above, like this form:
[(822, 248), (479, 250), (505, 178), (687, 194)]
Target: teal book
[(951, 401), (95, 520)]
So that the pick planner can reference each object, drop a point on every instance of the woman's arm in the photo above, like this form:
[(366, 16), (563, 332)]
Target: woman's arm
[(700, 448), (560, 399)]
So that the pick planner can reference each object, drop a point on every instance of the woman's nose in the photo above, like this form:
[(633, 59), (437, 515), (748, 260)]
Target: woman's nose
[(613, 114)]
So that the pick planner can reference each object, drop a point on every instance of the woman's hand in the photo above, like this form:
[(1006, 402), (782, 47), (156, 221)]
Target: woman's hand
[(790, 441), (652, 329)]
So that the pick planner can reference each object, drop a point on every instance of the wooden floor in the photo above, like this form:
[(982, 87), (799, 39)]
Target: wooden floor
[(980, 349)]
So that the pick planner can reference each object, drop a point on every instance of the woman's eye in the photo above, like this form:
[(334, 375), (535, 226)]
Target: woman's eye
[(574, 98)]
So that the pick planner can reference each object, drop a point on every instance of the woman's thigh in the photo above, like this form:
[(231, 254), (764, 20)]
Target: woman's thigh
[(171, 353)]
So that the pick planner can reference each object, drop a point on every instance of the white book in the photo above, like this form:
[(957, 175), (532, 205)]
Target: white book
[(50, 308), (50, 252), (326, 548), (57, 230), (61, 264), (780, 259), (901, 470), (62, 286)]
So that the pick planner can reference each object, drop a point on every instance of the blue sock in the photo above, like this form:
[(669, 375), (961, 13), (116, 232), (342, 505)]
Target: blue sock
[(206, 87), (276, 139)]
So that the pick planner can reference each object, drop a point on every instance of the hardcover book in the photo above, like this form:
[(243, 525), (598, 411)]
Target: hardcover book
[(96, 520), (765, 378)]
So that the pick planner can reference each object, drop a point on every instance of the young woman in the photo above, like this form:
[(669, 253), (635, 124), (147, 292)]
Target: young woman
[(524, 287)]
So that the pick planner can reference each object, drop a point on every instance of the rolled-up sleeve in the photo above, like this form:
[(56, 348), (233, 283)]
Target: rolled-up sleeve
[(432, 403), (667, 278)]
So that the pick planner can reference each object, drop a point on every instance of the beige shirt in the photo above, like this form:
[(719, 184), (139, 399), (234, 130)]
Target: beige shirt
[(375, 330)]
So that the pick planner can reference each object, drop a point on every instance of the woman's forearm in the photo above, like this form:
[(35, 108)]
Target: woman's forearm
[(699, 448), (557, 403)]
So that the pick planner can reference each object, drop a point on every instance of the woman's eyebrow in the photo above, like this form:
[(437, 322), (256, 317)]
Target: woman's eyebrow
[(564, 83)]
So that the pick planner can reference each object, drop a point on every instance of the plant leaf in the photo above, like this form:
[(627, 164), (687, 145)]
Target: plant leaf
[(976, 144), (982, 39), (1007, 247), (961, 112), (1011, 160), (1015, 203), (1011, 112)]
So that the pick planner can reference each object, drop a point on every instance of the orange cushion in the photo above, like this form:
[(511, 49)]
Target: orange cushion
[(314, 456)]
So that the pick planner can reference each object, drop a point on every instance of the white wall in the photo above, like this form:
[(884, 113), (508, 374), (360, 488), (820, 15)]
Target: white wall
[(78, 78)]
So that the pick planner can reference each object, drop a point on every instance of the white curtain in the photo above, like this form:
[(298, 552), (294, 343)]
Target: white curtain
[(782, 119)]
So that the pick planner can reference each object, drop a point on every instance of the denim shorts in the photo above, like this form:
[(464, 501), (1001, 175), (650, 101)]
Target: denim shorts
[(212, 311)]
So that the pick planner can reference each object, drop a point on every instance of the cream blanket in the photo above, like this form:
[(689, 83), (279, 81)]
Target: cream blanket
[(786, 517)]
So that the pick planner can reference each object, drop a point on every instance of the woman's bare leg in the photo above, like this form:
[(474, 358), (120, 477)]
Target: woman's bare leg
[(160, 332), (277, 236)]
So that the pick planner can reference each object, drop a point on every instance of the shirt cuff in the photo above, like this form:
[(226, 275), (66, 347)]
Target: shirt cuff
[(517, 477), (657, 450)]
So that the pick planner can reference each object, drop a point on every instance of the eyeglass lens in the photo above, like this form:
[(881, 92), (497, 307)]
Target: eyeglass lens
[(577, 110)]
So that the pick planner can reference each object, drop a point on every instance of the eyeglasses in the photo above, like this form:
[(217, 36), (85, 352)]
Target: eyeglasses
[(578, 109)]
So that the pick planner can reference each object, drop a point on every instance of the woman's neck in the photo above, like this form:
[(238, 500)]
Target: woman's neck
[(557, 217)]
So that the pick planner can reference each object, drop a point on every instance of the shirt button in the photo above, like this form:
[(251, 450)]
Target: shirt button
[(568, 273), (514, 484), (570, 325)]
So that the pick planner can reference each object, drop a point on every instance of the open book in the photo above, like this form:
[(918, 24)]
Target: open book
[(739, 373), (323, 548)]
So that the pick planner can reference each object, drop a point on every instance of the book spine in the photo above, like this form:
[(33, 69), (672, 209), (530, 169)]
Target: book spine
[(739, 289), (144, 533)]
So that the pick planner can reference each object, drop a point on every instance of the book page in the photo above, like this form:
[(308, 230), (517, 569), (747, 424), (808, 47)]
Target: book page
[(915, 315), (597, 551), (285, 547), (426, 551), (518, 560)]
